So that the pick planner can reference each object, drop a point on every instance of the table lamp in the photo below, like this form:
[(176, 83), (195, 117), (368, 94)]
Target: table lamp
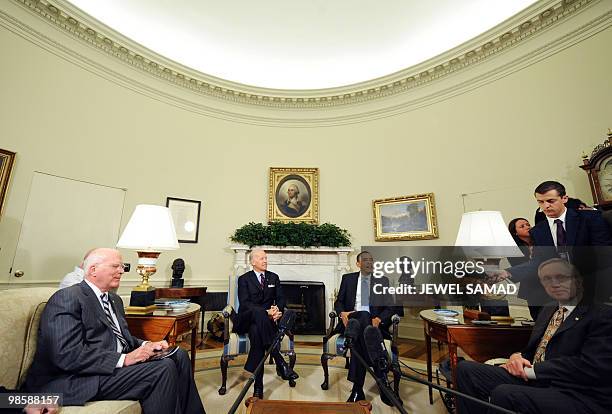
[(149, 232), (484, 235)]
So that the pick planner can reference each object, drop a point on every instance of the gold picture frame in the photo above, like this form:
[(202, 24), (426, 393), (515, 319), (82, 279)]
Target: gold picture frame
[(294, 195), (7, 159), (405, 218)]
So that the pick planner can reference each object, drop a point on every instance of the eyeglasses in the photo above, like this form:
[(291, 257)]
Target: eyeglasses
[(548, 280)]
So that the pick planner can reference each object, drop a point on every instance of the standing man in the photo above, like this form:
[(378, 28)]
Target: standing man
[(86, 352), (76, 276), (354, 302), (261, 302), (565, 233), (566, 366)]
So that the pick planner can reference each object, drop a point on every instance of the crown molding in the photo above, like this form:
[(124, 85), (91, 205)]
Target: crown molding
[(459, 70)]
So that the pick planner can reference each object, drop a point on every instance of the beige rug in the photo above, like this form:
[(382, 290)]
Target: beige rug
[(308, 388)]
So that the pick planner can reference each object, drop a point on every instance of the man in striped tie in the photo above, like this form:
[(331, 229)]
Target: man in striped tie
[(566, 366), (86, 352)]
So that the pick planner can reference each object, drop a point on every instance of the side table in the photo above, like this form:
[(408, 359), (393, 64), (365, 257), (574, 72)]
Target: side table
[(167, 325)]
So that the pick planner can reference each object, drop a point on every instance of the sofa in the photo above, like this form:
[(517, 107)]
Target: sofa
[(20, 311)]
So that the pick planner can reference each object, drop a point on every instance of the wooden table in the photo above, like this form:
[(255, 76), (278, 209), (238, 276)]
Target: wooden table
[(196, 294), (479, 342), (257, 406), (167, 325)]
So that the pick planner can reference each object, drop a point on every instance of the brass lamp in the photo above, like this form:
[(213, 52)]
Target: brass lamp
[(149, 232)]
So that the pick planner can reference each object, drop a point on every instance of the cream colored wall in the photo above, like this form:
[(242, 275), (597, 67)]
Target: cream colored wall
[(511, 134)]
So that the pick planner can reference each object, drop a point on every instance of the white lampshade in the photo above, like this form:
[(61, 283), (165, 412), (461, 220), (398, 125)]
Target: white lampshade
[(487, 232), (150, 229)]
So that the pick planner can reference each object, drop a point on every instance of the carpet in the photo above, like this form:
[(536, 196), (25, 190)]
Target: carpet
[(308, 388)]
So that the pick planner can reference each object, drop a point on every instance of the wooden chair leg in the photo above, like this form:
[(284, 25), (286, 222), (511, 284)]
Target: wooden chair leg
[(292, 364), (324, 359), (223, 364)]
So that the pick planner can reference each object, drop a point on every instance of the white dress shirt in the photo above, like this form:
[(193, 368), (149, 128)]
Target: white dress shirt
[(553, 225), (72, 278), (358, 305)]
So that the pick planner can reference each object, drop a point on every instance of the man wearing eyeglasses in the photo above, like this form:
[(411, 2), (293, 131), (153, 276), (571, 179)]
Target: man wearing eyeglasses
[(86, 352), (565, 367)]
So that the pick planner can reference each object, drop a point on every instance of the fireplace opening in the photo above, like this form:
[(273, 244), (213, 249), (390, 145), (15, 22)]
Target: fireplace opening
[(307, 299)]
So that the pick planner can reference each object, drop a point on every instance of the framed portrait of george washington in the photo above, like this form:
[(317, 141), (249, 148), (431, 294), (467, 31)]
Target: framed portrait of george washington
[(405, 218), (7, 158), (294, 195)]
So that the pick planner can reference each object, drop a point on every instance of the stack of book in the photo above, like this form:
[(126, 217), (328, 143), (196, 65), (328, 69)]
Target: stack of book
[(171, 304)]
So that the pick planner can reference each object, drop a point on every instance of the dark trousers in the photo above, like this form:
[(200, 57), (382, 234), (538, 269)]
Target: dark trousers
[(357, 372), (262, 331), (164, 386), (505, 390)]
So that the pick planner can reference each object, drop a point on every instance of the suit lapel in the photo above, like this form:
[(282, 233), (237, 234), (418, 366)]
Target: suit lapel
[(572, 319), (571, 226), (94, 303), (540, 327), (542, 234)]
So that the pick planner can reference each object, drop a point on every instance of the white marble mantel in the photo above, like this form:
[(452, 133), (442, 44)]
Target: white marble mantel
[(304, 264)]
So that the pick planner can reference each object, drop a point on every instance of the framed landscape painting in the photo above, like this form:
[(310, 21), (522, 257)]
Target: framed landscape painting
[(294, 195), (405, 218)]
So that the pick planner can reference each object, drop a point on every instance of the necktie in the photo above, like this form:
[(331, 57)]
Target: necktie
[(114, 327), (365, 292), (261, 280), (560, 233), (553, 325)]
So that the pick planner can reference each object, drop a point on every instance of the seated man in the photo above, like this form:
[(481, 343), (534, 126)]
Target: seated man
[(261, 299), (567, 364), (354, 302), (86, 353)]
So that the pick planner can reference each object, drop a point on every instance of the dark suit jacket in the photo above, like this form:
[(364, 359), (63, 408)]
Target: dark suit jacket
[(345, 302), (76, 344), (579, 355), (251, 296), (584, 228)]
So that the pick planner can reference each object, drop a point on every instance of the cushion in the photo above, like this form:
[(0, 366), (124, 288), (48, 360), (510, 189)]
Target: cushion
[(17, 310), (239, 344)]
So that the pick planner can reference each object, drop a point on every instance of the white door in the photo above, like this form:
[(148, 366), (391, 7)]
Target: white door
[(64, 218)]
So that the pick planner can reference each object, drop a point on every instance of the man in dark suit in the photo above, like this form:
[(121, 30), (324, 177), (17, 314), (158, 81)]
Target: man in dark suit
[(86, 352), (354, 301), (566, 366), (261, 301), (566, 233)]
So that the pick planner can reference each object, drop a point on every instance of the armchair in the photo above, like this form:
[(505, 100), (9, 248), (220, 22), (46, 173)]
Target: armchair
[(238, 344), (334, 345)]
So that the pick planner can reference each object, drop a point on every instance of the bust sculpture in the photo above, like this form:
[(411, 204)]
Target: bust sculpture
[(178, 267)]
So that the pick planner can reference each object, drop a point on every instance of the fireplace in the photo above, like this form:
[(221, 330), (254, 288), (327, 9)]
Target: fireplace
[(319, 267), (307, 300)]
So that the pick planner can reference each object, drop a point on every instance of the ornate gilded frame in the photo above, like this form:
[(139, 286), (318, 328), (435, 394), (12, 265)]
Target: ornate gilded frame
[(304, 205), (405, 218), (7, 159)]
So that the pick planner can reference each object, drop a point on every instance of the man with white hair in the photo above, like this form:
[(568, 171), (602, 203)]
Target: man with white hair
[(261, 303), (86, 352)]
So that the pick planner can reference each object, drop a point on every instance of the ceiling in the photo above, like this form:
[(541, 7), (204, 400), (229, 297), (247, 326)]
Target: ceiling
[(287, 44)]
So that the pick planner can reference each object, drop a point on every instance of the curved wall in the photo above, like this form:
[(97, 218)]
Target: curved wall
[(494, 142)]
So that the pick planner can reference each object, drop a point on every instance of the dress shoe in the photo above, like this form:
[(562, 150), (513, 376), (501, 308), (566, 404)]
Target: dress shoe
[(258, 392), (283, 369), (356, 395), (285, 372)]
